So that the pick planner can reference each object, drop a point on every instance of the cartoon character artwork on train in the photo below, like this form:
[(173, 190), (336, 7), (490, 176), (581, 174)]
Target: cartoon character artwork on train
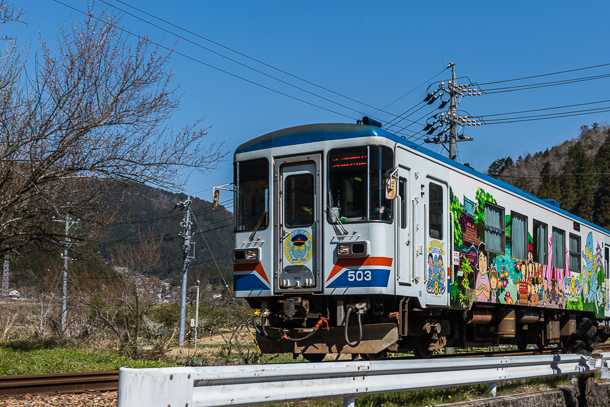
[(437, 281), (482, 278), (499, 278)]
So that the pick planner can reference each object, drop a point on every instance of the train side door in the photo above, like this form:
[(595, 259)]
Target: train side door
[(436, 241), (297, 220), (404, 264)]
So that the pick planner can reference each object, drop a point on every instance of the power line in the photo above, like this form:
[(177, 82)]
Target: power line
[(212, 254), (548, 116), (543, 84), (409, 92), (546, 108), (541, 75), (228, 58), (403, 116), (238, 53), (206, 64)]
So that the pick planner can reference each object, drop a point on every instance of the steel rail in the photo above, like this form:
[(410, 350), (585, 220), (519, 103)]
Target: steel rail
[(59, 383), (266, 384)]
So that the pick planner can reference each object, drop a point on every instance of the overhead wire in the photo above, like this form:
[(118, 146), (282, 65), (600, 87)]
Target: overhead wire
[(546, 108), (546, 74), (206, 64), (212, 254), (547, 116), (399, 119), (541, 84), (409, 92), (237, 52), (228, 58), (249, 67), (264, 63)]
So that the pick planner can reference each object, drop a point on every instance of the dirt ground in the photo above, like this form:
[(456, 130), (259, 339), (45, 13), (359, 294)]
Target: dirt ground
[(94, 398)]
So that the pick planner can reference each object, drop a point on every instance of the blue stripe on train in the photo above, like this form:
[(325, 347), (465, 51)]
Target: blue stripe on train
[(248, 282), (360, 278)]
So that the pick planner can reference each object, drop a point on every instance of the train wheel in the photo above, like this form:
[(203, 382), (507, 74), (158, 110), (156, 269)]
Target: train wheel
[(314, 357), (421, 348), (564, 344), (522, 343)]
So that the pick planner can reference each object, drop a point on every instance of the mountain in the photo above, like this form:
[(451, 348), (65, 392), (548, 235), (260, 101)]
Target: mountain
[(576, 173), (148, 211)]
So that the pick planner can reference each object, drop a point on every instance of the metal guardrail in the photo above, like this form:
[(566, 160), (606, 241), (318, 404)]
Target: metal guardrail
[(264, 384)]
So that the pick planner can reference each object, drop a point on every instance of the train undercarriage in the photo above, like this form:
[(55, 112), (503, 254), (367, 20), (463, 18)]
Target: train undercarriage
[(375, 325)]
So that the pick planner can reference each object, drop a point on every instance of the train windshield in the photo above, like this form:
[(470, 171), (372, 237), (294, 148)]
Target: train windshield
[(356, 191), (252, 180)]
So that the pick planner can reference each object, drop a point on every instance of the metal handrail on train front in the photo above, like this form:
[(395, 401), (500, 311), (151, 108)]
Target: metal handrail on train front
[(414, 251), (426, 220)]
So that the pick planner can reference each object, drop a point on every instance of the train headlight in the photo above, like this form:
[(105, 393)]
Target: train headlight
[(247, 255), (355, 249), (344, 250), (251, 254)]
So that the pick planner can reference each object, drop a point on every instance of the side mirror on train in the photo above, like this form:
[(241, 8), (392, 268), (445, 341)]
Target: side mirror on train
[(215, 199), (390, 188)]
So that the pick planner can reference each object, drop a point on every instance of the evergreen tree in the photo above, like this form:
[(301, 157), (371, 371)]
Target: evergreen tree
[(602, 207), (603, 156), (586, 189), (549, 187), (602, 194), (568, 188)]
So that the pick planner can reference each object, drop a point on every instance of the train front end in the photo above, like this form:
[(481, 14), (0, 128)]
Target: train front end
[(314, 239)]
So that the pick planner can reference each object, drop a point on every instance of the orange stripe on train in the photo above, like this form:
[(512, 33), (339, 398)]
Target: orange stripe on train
[(256, 267)]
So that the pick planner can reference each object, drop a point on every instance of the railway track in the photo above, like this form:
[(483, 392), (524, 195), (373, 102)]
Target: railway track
[(59, 383), (604, 347)]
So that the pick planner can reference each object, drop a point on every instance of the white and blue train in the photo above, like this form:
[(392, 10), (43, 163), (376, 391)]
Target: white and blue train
[(349, 239)]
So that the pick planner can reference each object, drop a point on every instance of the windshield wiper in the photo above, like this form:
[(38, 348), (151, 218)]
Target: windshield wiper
[(258, 224), (345, 232)]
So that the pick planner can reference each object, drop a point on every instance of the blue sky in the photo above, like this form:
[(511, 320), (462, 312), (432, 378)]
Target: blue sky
[(371, 52)]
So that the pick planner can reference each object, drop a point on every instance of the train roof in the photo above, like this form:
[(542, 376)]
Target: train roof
[(312, 133)]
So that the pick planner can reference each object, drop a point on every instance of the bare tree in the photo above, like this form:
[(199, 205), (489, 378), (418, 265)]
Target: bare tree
[(122, 302), (94, 118)]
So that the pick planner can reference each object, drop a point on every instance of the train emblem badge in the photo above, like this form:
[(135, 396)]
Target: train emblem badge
[(298, 246)]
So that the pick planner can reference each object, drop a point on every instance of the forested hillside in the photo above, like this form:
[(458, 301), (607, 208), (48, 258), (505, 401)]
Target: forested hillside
[(576, 173), (143, 213), (145, 210)]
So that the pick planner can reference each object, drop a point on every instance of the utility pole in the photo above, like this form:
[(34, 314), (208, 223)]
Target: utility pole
[(452, 113), (450, 122), (186, 249), (69, 222), (5, 275), (198, 283)]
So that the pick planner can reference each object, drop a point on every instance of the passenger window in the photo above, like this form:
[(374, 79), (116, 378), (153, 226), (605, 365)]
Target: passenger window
[(299, 195), (519, 241), (559, 248), (494, 228), (435, 211), (541, 239), (574, 253), (402, 192)]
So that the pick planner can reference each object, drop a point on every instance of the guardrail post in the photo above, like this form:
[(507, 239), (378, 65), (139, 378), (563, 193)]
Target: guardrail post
[(349, 401), (492, 388), (605, 374)]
